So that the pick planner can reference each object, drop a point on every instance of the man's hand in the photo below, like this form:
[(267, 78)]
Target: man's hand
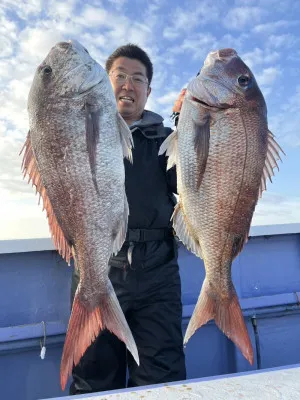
[(178, 102)]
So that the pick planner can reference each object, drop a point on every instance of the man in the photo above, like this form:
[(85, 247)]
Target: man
[(145, 273)]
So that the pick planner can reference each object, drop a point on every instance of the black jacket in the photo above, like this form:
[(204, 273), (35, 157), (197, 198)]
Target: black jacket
[(150, 192), (149, 187)]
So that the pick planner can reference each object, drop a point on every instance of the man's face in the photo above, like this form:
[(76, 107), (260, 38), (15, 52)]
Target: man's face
[(131, 96)]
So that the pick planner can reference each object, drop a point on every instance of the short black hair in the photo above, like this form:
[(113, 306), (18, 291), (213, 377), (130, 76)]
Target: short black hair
[(131, 51)]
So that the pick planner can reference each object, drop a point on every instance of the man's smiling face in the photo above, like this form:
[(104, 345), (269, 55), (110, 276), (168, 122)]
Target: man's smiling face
[(131, 97)]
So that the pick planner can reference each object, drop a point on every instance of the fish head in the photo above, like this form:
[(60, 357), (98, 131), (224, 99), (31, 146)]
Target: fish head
[(67, 71), (225, 81)]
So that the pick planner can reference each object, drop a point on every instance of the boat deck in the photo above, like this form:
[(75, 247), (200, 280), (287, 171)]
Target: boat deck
[(269, 384)]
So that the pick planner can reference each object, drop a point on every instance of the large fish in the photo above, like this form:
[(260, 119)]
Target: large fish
[(224, 154), (74, 156)]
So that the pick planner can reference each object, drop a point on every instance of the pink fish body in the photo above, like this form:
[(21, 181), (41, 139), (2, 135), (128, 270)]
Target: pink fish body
[(74, 156), (224, 154)]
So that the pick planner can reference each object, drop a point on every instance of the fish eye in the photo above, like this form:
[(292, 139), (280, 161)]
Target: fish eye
[(47, 70), (243, 80)]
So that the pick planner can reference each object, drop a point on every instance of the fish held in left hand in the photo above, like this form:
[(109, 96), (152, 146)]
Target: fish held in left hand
[(74, 156), (224, 153)]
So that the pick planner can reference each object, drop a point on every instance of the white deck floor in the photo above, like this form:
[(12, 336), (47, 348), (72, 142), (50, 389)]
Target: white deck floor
[(262, 385)]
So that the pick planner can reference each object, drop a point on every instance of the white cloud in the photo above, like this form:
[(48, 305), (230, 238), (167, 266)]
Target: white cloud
[(259, 56), (267, 76), (168, 98), (95, 17), (185, 20), (280, 6), (282, 41), (7, 26), (274, 208), (197, 46), (22, 218), (61, 11), (24, 9), (287, 121), (170, 33), (271, 27), (237, 42), (240, 17), (117, 28), (10, 174), (13, 100), (119, 4), (6, 47), (35, 43)]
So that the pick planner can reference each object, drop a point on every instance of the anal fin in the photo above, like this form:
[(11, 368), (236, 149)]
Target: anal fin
[(183, 231)]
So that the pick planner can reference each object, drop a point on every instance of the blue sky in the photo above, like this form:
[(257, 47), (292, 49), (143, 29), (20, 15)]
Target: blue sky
[(177, 36)]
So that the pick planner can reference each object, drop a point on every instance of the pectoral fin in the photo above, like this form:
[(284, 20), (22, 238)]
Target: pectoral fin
[(121, 229), (92, 137), (169, 146), (126, 138), (202, 135), (30, 168)]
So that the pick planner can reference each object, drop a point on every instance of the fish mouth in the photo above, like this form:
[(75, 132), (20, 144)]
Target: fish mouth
[(198, 94), (202, 103), (209, 106), (207, 100)]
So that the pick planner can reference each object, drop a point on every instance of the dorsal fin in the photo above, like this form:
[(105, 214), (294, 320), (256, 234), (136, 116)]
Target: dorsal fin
[(273, 155), (30, 168)]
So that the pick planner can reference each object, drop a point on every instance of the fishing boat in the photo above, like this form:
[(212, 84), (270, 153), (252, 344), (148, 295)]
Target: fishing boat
[(35, 305)]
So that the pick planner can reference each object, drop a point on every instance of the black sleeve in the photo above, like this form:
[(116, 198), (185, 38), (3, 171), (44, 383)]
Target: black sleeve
[(172, 179)]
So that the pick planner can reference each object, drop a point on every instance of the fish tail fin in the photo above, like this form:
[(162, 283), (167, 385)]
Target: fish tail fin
[(85, 325), (228, 317)]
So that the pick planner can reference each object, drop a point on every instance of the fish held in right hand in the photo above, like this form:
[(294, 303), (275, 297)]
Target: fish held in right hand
[(74, 154)]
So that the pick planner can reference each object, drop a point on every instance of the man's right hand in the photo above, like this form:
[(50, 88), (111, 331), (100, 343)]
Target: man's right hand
[(179, 101)]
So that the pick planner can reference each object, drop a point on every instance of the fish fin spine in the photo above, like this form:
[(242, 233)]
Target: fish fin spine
[(30, 168), (272, 156), (228, 317), (183, 230), (85, 325), (169, 146), (122, 229), (126, 138)]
